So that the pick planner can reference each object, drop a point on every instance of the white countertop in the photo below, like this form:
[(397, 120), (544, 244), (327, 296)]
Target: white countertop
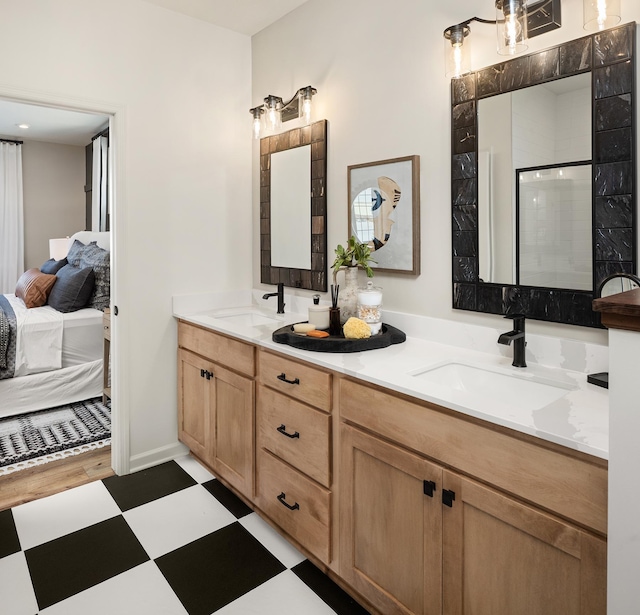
[(579, 419)]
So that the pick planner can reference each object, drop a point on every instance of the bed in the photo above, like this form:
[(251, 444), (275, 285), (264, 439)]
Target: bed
[(58, 355)]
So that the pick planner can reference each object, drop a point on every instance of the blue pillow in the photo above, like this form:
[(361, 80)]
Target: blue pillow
[(53, 266), (72, 289)]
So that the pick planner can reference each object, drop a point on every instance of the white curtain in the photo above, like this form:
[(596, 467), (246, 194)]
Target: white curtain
[(99, 202), (11, 216)]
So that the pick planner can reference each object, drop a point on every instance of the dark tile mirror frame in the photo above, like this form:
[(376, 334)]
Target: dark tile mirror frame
[(315, 278), (610, 57)]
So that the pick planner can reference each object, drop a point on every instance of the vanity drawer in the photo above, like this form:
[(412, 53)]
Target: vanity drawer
[(295, 503), (300, 381), (295, 432), (232, 353)]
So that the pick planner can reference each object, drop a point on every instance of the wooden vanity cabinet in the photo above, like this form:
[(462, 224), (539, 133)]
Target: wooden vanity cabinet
[(391, 525), (501, 556), (422, 529), (216, 416), (436, 512), (293, 444)]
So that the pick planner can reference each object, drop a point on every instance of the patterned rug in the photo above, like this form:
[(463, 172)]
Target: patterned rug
[(47, 435)]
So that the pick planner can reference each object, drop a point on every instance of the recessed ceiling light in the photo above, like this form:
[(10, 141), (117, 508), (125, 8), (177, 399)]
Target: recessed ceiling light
[(25, 126)]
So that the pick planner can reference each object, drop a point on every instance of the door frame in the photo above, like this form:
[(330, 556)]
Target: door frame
[(120, 416)]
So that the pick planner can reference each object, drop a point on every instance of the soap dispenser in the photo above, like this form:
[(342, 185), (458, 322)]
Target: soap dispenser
[(318, 314)]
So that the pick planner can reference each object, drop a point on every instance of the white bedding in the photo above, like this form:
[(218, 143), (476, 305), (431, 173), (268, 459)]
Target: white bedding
[(50, 389), (82, 339), (47, 339), (38, 338)]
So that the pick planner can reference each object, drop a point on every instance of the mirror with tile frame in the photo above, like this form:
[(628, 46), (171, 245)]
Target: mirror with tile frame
[(609, 58)]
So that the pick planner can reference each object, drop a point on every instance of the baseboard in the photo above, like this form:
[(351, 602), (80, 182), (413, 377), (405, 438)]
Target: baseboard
[(157, 456)]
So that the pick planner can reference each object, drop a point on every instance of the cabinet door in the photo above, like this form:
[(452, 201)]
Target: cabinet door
[(233, 429), (502, 557), (391, 531), (194, 403)]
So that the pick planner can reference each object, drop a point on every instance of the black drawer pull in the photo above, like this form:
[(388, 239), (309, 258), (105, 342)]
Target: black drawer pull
[(448, 497), (429, 487), (283, 377), (281, 499), (283, 430)]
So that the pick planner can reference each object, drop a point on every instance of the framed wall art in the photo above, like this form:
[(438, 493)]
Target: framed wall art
[(384, 212)]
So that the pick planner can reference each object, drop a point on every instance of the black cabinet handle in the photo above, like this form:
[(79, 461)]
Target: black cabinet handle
[(283, 377), (283, 430), (448, 497), (205, 373), (429, 487), (281, 499), (202, 372)]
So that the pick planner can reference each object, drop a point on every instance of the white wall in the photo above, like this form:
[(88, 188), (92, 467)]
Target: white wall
[(53, 178), (379, 70), (179, 90)]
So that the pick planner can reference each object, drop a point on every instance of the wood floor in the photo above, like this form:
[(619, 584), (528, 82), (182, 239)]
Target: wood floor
[(40, 481)]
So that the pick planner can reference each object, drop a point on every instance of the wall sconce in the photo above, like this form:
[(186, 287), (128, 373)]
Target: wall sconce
[(516, 21), (601, 14), (274, 110)]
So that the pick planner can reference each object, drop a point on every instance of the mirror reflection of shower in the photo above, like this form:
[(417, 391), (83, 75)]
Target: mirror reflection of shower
[(538, 126)]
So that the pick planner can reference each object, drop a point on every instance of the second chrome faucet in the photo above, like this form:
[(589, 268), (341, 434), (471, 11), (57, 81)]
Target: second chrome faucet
[(518, 338)]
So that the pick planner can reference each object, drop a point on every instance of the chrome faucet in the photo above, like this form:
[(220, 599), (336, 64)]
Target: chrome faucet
[(517, 337), (280, 295)]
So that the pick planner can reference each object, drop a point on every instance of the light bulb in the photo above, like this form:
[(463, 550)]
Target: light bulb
[(306, 110), (305, 104), (256, 113), (256, 127), (601, 14), (512, 31), (457, 56), (511, 24), (274, 105)]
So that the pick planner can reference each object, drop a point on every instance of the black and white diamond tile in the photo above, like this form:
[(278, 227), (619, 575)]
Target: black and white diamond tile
[(170, 540)]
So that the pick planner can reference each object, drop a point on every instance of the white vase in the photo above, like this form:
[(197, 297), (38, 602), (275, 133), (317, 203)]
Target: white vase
[(348, 294)]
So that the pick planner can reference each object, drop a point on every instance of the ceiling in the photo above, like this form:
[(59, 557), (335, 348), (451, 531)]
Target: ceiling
[(244, 16), (48, 124), (76, 128)]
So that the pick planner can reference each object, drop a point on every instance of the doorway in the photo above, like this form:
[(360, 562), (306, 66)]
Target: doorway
[(72, 124)]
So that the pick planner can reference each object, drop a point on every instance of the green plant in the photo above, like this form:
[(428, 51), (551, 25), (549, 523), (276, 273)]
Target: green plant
[(356, 254)]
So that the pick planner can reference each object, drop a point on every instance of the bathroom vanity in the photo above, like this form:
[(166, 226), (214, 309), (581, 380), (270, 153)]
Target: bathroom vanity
[(410, 500)]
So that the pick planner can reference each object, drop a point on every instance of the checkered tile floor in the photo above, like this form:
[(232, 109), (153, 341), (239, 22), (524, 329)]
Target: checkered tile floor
[(170, 540)]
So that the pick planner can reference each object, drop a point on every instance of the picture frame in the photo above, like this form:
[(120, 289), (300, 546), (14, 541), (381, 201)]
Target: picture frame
[(384, 212)]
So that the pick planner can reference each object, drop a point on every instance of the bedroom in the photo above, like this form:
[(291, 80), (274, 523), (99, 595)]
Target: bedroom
[(54, 172)]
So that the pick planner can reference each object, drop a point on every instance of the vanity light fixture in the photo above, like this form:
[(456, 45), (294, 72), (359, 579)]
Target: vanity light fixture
[(511, 27), (601, 14), (516, 21), (274, 110)]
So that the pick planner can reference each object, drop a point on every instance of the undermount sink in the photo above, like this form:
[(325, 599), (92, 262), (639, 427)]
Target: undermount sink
[(489, 385), (245, 318)]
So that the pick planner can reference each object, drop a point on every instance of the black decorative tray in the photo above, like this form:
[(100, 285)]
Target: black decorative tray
[(338, 343)]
